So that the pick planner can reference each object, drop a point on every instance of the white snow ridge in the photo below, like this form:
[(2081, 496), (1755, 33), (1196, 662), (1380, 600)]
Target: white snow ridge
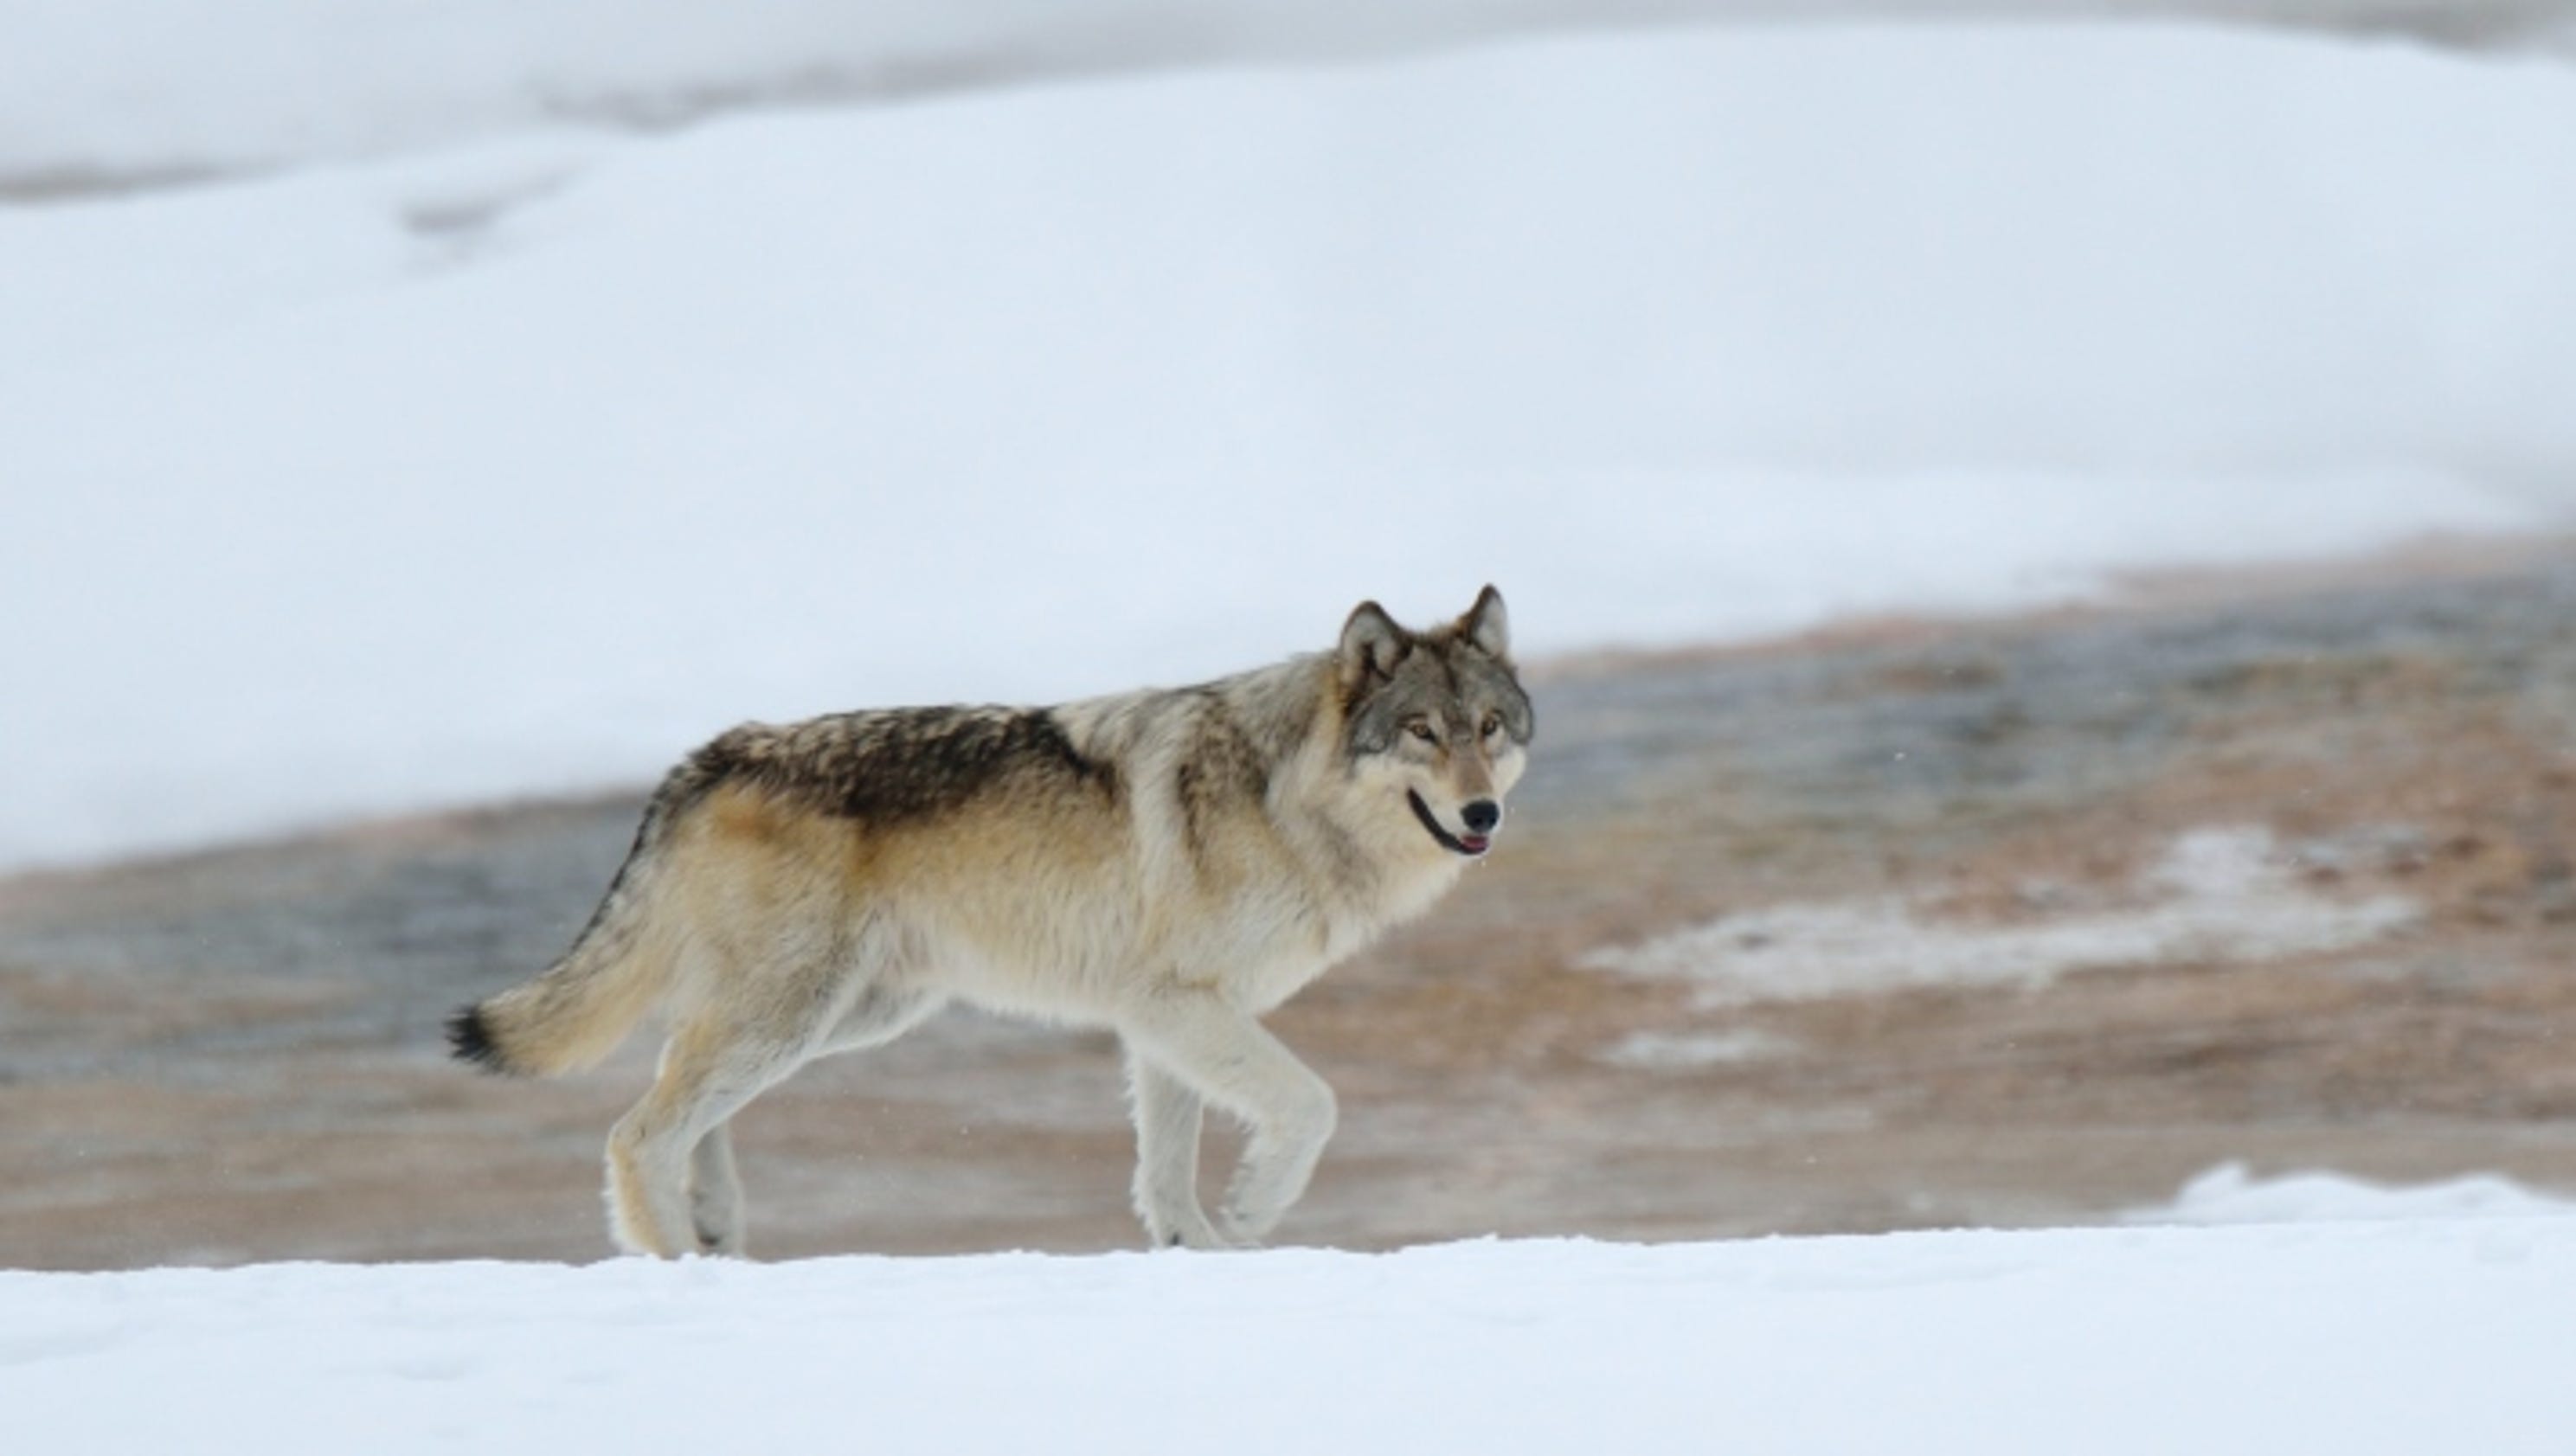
[(2230, 1194)]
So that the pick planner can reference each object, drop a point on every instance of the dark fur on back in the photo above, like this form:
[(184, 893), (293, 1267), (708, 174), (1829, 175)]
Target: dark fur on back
[(893, 766)]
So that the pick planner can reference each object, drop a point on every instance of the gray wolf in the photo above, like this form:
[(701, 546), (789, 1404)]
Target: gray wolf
[(1167, 864)]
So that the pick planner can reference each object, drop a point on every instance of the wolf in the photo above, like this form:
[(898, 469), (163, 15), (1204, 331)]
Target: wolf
[(1170, 865)]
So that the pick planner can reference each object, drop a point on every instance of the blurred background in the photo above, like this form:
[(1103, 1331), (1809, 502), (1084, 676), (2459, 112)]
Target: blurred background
[(2039, 532)]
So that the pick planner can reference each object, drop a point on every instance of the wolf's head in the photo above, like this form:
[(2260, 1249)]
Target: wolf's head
[(1436, 718)]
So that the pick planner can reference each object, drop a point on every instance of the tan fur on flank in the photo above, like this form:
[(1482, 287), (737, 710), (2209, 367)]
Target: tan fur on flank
[(1169, 864)]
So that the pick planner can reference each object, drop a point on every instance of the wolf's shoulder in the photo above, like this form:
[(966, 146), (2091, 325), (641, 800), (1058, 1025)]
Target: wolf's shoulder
[(1272, 707)]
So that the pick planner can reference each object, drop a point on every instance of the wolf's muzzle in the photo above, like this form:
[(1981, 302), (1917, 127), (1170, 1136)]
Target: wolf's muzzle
[(1471, 844)]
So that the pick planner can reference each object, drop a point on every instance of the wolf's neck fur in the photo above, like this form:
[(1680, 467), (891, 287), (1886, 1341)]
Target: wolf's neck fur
[(1274, 736), (1378, 864)]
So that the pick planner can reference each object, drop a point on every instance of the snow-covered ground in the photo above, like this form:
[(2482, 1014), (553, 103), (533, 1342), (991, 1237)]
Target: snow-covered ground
[(110, 92), (504, 454), (2400, 1337), (520, 466)]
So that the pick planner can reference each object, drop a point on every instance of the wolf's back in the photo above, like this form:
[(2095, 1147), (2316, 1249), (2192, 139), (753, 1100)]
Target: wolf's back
[(571, 1017)]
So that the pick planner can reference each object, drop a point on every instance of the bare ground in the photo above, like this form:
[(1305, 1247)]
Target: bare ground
[(235, 1056)]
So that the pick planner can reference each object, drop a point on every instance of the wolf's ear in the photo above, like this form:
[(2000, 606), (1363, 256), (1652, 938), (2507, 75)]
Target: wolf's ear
[(1371, 646), (1488, 625)]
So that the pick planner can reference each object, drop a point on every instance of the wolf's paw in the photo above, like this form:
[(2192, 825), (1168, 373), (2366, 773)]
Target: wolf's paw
[(715, 1219), (1242, 1230), (1196, 1233)]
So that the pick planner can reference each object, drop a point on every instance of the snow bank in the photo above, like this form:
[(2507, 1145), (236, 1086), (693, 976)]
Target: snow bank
[(521, 468), (2229, 1194), (2353, 1339)]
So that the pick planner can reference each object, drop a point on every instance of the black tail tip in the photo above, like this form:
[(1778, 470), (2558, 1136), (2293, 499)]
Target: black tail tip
[(471, 1040)]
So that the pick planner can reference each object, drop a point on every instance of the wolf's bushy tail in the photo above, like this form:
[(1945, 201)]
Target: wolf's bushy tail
[(571, 1017)]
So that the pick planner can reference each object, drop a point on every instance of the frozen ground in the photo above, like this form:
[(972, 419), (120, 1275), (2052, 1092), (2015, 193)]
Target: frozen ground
[(2218, 896), (2355, 1339), (520, 467)]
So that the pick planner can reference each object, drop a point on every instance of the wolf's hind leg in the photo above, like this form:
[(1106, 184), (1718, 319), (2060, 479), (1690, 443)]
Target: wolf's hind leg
[(715, 1062), (715, 1193), (1229, 1059), (878, 1015), (1168, 1115), (706, 1077)]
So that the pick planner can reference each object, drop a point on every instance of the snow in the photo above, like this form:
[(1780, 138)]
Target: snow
[(2220, 895), (1664, 1051), (2230, 1194), (98, 91), (521, 466), (2405, 1337), (481, 450)]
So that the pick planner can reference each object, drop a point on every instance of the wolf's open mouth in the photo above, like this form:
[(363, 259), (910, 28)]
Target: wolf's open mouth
[(1470, 845)]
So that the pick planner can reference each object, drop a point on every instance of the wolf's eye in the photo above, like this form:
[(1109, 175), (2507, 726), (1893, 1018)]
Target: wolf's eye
[(1493, 724), (1421, 730)]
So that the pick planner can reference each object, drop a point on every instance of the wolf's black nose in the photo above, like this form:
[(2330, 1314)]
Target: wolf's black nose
[(1481, 816)]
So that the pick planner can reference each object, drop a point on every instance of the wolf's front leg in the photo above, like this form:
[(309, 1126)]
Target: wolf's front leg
[(1227, 1058), (1167, 1158)]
